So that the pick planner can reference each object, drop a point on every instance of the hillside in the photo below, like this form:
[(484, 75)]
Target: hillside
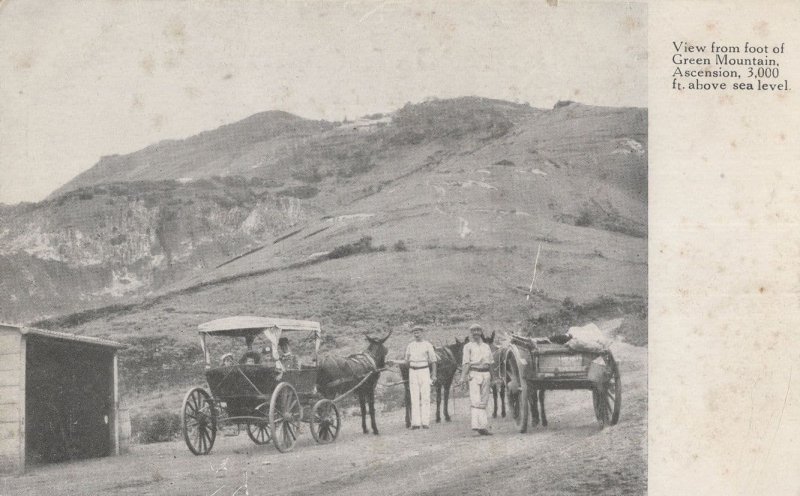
[(129, 227), (432, 214)]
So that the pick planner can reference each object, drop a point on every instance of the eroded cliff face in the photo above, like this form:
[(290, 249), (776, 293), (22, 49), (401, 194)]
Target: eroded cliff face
[(99, 244), (163, 218)]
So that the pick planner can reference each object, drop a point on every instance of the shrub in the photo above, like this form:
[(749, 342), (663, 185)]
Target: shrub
[(571, 314), (309, 175), (400, 246), (363, 245), (303, 192), (584, 219), (393, 397), (563, 103), (155, 427)]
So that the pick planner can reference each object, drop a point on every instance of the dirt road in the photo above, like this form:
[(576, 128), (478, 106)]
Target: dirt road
[(571, 456)]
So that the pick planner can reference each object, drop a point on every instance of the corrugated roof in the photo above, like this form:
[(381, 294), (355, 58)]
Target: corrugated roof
[(64, 336)]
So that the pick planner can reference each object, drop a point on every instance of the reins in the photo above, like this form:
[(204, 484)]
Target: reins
[(376, 371)]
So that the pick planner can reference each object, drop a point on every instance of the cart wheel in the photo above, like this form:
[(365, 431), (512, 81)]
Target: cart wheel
[(325, 421), (259, 431), (519, 403), (607, 398), (285, 414), (198, 421)]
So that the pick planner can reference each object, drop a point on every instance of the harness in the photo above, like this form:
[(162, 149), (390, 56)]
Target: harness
[(369, 359)]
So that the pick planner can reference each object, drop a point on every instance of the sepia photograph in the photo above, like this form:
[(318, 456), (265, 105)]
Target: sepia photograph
[(299, 247)]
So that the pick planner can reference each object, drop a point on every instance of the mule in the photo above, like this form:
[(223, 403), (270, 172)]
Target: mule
[(533, 396), (500, 374), (448, 362), (338, 375)]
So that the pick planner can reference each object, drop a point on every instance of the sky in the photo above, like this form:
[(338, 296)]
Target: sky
[(81, 80)]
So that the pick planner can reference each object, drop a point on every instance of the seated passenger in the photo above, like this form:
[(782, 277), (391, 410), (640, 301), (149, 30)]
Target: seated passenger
[(250, 358), (227, 360), (288, 360)]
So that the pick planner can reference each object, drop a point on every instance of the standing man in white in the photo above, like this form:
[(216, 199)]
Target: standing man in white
[(476, 365), (421, 360)]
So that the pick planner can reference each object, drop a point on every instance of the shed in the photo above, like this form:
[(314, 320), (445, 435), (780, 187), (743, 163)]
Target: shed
[(58, 397)]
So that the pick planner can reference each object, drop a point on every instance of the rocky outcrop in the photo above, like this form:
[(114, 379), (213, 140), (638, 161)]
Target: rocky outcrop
[(122, 240)]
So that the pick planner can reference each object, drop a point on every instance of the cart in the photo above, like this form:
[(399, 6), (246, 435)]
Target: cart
[(538, 365), (258, 393)]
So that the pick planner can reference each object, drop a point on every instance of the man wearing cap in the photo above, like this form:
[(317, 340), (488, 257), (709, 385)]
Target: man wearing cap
[(476, 365), (421, 360)]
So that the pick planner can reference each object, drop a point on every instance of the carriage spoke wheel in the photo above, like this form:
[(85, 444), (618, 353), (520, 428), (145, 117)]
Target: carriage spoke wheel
[(259, 431), (285, 414), (325, 421), (198, 421), (607, 397)]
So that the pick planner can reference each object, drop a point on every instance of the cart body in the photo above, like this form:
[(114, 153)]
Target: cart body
[(539, 365)]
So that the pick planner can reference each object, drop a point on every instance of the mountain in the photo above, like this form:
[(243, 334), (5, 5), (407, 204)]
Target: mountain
[(432, 214)]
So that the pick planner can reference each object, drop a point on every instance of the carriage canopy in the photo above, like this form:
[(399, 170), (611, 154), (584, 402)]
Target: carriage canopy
[(249, 327)]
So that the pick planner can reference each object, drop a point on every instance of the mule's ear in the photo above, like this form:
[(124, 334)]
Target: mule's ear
[(387, 337)]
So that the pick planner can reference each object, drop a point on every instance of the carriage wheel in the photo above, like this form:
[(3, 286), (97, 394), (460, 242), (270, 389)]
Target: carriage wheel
[(198, 421), (259, 431), (519, 405), (285, 414), (325, 421), (607, 398)]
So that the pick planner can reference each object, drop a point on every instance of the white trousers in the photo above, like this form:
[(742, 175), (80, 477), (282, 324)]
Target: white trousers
[(479, 387), (419, 382)]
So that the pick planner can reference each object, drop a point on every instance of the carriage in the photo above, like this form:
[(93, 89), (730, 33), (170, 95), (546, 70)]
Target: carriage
[(258, 393), (532, 365)]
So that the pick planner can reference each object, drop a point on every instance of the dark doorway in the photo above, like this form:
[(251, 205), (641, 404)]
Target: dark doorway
[(69, 400)]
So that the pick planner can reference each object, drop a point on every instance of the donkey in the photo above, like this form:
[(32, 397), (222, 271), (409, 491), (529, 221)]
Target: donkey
[(498, 355), (448, 362), (338, 375), (532, 398)]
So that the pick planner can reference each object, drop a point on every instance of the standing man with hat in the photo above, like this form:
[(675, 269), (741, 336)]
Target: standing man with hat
[(421, 360), (476, 365)]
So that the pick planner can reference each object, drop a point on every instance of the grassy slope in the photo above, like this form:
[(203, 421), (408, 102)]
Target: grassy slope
[(471, 210)]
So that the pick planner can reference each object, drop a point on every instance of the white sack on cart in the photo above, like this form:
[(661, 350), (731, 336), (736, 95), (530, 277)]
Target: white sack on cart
[(588, 338)]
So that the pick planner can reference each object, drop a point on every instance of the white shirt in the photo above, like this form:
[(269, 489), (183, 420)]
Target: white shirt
[(477, 354), (420, 353)]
